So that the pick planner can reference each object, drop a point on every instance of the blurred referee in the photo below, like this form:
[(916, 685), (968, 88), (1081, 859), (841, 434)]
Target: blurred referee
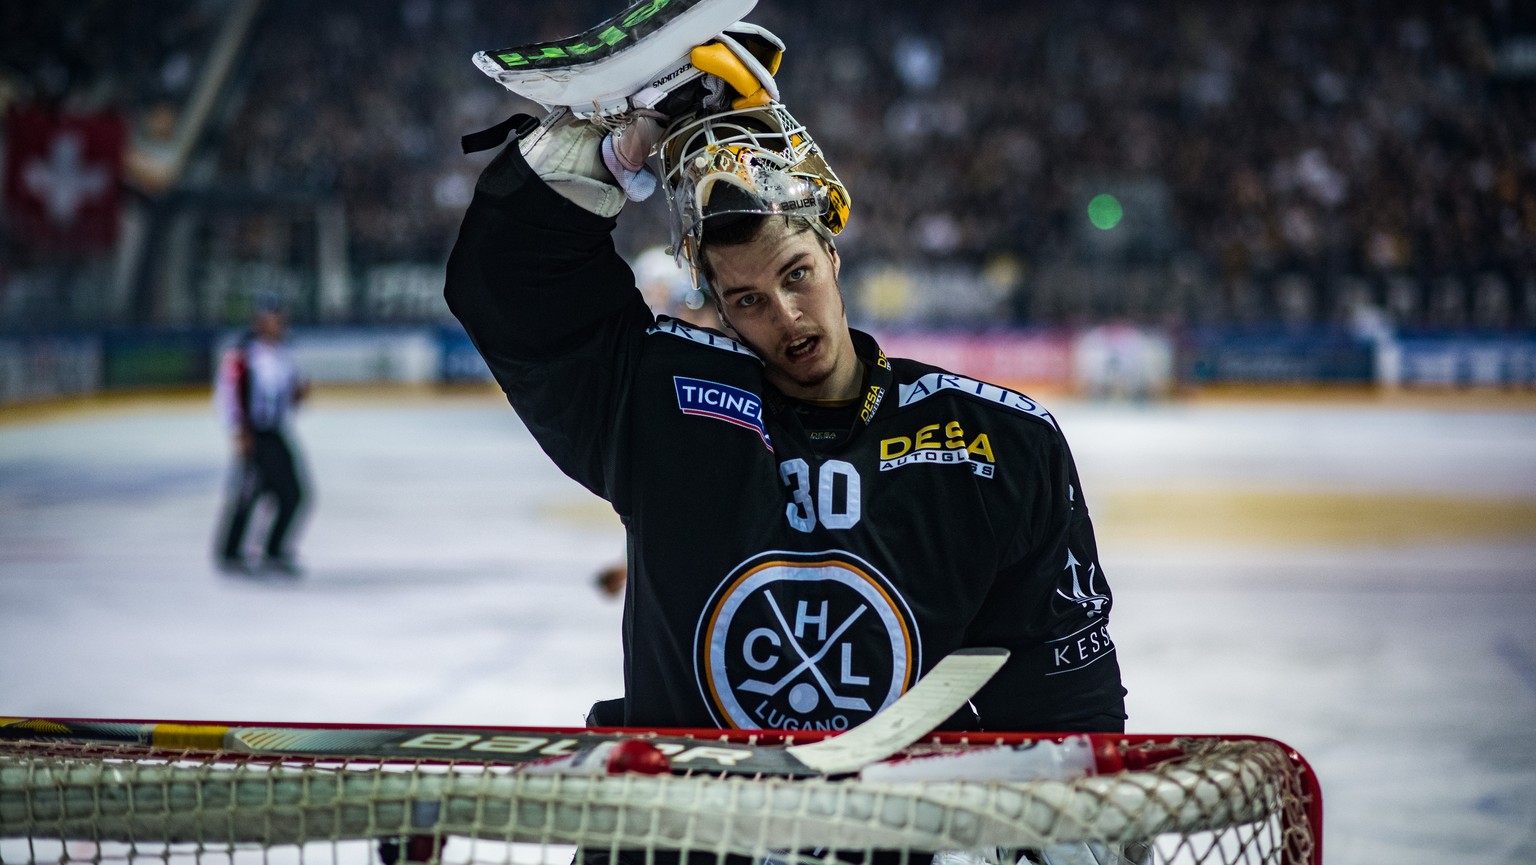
[(257, 389)]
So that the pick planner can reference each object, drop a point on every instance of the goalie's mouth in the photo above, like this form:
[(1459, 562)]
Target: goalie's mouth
[(802, 348)]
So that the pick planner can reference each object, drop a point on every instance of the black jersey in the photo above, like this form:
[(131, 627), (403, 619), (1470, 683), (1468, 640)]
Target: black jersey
[(780, 577)]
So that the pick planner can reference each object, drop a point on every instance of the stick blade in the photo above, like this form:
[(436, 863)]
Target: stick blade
[(926, 705)]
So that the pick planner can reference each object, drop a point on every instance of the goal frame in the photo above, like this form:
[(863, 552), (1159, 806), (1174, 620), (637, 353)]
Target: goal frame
[(1291, 853)]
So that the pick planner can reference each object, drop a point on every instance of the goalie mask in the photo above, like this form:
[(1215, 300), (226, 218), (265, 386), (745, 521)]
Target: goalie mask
[(757, 161)]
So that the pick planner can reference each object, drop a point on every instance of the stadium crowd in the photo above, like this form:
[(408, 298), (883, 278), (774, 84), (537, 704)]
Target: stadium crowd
[(1285, 159)]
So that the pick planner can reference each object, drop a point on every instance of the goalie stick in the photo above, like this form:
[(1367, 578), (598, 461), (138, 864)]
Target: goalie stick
[(926, 705)]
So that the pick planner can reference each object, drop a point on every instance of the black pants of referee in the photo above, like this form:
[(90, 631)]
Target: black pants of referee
[(270, 470)]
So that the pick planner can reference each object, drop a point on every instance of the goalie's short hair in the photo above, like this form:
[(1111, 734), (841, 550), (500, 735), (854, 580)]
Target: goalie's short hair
[(741, 229)]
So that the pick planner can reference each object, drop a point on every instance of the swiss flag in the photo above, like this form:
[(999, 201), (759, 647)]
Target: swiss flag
[(63, 175)]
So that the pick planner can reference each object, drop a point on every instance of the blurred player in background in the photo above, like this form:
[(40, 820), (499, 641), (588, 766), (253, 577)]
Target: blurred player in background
[(258, 388), (668, 289), (811, 525), (1121, 360)]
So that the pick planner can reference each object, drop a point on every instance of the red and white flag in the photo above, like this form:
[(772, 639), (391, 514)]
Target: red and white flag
[(63, 178)]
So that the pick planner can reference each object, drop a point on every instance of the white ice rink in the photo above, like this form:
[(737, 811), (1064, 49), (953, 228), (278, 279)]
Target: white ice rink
[(1358, 580)]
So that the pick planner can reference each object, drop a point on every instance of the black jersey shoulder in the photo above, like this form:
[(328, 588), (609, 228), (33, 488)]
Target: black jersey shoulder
[(667, 327), (916, 382)]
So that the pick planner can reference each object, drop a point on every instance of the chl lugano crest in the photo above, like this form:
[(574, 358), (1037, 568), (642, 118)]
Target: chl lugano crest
[(804, 641)]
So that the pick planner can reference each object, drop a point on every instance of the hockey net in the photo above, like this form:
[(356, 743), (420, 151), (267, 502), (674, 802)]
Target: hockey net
[(1193, 799)]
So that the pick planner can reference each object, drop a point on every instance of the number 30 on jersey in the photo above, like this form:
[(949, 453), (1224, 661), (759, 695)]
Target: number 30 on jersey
[(830, 494)]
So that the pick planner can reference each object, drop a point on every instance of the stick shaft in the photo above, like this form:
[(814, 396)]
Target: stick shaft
[(916, 713)]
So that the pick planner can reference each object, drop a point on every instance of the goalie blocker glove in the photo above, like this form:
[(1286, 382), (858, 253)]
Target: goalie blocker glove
[(642, 56), (628, 76)]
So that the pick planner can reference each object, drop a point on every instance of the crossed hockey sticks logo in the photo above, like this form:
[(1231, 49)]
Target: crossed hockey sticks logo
[(809, 662)]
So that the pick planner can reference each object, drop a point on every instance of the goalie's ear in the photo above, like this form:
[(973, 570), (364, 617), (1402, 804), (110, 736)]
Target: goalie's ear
[(746, 57)]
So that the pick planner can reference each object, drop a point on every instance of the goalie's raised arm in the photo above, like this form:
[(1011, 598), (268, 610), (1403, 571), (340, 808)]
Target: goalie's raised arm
[(609, 94), (534, 271)]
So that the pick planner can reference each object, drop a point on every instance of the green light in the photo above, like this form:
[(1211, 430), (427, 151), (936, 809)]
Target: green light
[(1104, 211)]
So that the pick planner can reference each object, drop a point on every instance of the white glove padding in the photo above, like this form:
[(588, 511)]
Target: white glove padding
[(567, 153)]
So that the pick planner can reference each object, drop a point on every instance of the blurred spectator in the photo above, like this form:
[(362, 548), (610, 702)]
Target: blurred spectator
[(152, 164)]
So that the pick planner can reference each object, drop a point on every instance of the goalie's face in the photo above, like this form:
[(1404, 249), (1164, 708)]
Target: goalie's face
[(779, 293)]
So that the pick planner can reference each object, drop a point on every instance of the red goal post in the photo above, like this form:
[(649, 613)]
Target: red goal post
[(1206, 800)]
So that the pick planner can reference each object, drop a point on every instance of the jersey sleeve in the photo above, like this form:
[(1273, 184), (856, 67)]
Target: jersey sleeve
[(1049, 606), (552, 307)]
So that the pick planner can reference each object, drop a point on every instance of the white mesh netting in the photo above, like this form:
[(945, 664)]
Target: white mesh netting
[(1222, 801)]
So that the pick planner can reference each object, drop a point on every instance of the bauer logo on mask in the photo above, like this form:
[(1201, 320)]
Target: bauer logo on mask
[(804, 641)]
